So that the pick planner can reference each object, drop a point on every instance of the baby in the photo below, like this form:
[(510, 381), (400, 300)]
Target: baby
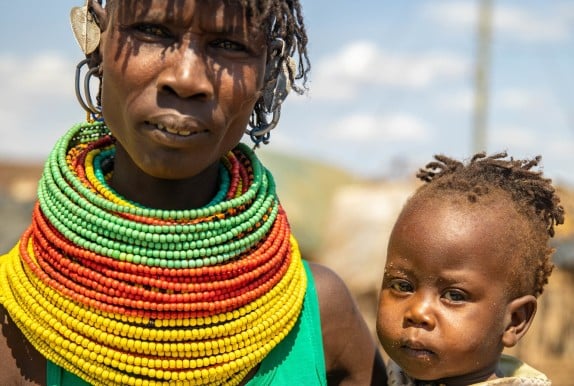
[(466, 261)]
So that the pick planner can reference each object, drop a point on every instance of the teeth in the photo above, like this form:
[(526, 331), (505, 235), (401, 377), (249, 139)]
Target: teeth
[(174, 131)]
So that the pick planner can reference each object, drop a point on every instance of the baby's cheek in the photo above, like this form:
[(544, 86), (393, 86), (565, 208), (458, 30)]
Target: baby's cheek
[(472, 342), (386, 326)]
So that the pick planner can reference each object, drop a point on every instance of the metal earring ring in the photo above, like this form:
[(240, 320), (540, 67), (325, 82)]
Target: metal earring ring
[(261, 129), (94, 109), (272, 97)]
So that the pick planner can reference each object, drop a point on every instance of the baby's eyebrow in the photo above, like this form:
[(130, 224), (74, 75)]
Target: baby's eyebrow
[(400, 266), (396, 271)]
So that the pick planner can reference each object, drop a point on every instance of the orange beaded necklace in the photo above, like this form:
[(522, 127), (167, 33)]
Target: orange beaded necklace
[(121, 294)]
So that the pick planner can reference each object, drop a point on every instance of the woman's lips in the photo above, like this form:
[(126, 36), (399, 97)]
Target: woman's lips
[(182, 129), (175, 134), (172, 130)]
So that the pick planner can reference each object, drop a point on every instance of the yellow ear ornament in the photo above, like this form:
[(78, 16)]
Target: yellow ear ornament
[(86, 29)]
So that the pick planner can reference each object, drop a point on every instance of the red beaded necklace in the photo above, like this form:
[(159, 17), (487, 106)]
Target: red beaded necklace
[(111, 291)]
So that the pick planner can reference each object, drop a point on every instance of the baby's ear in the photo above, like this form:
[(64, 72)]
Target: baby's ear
[(519, 315)]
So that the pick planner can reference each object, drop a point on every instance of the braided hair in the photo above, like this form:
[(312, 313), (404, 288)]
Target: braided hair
[(283, 19), (533, 196)]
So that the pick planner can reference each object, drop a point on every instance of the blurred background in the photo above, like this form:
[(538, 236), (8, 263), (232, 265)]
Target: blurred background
[(392, 84)]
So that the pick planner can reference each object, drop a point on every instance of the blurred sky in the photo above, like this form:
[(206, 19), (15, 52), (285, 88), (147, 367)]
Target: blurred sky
[(391, 84)]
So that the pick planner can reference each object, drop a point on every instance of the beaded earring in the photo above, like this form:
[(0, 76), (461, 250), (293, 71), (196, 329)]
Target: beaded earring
[(273, 95)]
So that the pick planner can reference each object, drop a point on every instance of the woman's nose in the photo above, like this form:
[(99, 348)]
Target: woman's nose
[(187, 74), (419, 313)]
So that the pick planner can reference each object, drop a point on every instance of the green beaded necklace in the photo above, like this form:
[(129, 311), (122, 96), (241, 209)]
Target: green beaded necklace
[(118, 293)]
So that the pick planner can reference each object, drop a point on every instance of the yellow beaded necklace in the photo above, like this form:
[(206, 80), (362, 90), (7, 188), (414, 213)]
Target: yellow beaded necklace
[(99, 328)]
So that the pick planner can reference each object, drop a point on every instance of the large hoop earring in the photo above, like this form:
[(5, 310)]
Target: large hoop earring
[(260, 128), (94, 110), (273, 95)]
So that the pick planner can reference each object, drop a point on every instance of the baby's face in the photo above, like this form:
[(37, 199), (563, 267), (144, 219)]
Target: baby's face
[(443, 302)]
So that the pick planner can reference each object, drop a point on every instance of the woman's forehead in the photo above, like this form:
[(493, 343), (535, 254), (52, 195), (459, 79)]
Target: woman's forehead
[(231, 14), (170, 8)]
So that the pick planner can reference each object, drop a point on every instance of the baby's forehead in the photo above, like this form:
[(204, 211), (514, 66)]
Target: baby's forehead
[(494, 219), (463, 201)]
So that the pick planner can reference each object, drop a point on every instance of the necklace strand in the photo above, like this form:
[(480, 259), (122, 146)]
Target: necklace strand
[(120, 294)]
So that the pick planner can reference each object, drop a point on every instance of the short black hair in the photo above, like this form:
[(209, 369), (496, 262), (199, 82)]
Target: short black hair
[(533, 195)]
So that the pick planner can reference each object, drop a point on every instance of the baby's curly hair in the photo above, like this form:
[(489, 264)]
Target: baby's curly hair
[(533, 195)]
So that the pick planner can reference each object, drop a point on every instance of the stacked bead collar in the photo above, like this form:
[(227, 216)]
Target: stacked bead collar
[(121, 294)]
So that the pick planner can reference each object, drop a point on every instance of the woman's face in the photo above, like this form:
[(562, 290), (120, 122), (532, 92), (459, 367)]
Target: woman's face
[(180, 80)]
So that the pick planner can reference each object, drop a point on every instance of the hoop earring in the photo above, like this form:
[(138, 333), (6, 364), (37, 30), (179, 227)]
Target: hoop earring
[(260, 128), (93, 109), (273, 95)]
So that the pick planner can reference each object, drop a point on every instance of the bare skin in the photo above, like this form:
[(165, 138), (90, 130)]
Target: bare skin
[(445, 311), (177, 95)]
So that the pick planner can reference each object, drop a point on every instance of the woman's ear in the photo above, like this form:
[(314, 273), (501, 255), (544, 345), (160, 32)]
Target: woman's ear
[(99, 13), (519, 315)]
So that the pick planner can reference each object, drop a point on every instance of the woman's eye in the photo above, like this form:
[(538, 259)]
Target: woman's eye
[(454, 296), (152, 30), (401, 286), (229, 45)]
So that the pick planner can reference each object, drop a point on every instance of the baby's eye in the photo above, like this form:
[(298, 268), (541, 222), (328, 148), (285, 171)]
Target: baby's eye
[(401, 286), (455, 296)]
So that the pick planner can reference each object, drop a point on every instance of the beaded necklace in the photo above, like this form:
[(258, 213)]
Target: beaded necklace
[(117, 293)]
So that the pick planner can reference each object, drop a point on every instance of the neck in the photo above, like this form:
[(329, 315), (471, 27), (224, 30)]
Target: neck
[(132, 183), (466, 379)]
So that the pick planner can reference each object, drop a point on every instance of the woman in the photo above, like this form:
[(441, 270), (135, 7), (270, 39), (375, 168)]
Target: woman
[(158, 251)]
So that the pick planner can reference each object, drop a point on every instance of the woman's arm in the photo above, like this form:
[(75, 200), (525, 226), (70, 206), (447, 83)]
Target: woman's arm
[(20, 363)]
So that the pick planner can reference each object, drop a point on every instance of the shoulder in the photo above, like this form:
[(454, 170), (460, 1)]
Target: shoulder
[(512, 367), (351, 354), (328, 282), (20, 363), (336, 303)]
